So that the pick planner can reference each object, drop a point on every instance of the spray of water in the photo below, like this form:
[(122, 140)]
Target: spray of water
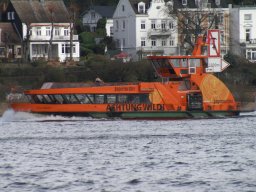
[(12, 116)]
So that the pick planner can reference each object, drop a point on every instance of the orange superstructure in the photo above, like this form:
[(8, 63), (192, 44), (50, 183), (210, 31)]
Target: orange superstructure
[(188, 90)]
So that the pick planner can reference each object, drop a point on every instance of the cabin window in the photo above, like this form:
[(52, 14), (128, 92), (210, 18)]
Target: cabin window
[(70, 98), (111, 98), (59, 98), (184, 63), (194, 62), (134, 99), (175, 62), (99, 99), (122, 99)]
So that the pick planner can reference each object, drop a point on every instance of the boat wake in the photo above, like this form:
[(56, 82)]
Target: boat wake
[(12, 116)]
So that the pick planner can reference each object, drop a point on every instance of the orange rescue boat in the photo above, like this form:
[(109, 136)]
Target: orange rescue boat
[(188, 90)]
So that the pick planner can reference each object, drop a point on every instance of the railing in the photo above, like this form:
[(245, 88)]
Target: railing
[(251, 41), (55, 38), (159, 32)]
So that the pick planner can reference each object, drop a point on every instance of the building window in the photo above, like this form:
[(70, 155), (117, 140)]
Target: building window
[(9, 16), (171, 42), (170, 25), (153, 24), (111, 31), (66, 31), (117, 25), (247, 17), (163, 43), (12, 15), (123, 8), (38, 31), (48, 31), (221, 19), (222, 37), (143, 42), (66, 48), (153, 42), (247, 34), (163, 24), (57, 31), (18, 51), (93, 15), (251, 54), (123, 43), (123, 24), (93, 29), (143, 25), (141, 7), (184, 2)]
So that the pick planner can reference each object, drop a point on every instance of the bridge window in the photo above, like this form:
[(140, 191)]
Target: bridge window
[(175, 62), (184, 62)]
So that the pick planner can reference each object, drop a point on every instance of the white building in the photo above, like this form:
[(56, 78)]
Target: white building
[(244, 32), (142, 27), (41, 23), (91, 17)]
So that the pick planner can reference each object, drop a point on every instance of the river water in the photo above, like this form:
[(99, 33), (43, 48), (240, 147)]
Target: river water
[(54, 153)]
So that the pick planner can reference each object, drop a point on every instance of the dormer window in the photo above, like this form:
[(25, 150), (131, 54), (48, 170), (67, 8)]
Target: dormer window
[(184, 2), (170, 5), (141, 7)]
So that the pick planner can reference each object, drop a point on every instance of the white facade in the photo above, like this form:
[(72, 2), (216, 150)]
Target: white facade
[(247, 26), (142, 30), (39, 38)]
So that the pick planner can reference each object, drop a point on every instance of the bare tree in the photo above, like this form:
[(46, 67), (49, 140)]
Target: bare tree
[(26, 43), (192, 22), (73, 10), (51, 10)]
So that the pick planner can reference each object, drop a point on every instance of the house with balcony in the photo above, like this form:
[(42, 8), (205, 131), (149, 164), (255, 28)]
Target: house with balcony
[(143, 27), (91, 17), (150, 27), (244, 32), (44, 29)]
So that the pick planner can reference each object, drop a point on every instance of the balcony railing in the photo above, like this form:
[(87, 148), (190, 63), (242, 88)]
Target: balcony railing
[(55, 38), (159, 32), (251, 41)]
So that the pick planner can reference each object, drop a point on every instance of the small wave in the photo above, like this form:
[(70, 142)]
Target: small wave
[(12, 116)]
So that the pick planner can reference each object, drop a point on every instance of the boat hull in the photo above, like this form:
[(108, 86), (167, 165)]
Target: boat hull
[(173, 115)]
